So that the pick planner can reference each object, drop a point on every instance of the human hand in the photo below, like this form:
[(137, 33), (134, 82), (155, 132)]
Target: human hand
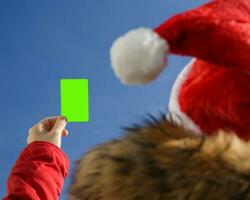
[(49, 129)]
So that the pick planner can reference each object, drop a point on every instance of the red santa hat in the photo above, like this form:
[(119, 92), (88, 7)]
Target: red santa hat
[(213, 91)]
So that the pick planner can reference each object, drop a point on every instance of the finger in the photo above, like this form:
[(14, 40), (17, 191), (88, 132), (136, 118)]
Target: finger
[(59, 126), (49, 122), (43, 128), (65, 132), (28, 140)]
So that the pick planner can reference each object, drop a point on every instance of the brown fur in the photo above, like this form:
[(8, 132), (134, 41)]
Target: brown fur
[(161, 161)]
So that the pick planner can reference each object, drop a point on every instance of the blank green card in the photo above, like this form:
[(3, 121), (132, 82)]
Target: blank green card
[(75, 100)]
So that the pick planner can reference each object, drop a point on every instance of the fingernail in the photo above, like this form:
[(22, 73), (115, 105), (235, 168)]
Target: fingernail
[(64, 118)]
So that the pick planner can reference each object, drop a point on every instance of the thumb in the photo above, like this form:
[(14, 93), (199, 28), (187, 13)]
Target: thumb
[(59, 126)]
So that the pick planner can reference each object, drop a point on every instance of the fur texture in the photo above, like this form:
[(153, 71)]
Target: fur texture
[(139, 56), (160, 160)]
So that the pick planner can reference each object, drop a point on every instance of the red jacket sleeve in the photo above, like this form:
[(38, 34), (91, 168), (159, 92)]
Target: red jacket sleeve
[(39, 173)]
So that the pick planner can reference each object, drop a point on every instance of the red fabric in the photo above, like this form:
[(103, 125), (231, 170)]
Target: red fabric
[(38, 174), (217, 32), (216, 94), (216, 97)]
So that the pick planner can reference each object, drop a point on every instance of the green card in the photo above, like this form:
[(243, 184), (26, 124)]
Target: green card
[(75, 100)]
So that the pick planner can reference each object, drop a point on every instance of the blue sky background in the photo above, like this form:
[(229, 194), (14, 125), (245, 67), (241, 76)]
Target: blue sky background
[(42, 42)]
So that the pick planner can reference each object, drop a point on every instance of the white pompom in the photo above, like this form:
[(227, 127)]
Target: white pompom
[(139, 56)]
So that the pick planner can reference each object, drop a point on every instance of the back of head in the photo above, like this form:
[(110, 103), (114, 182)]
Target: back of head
[(161, 160)]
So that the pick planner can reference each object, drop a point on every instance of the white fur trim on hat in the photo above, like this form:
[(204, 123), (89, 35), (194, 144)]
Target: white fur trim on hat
[(139, 56), (174, 109)]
